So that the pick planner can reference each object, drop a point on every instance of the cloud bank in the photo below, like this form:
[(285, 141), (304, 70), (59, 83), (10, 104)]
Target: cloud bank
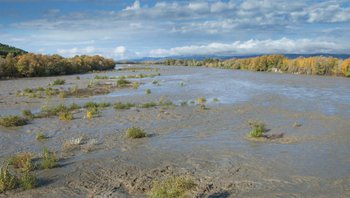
[(165, 28)]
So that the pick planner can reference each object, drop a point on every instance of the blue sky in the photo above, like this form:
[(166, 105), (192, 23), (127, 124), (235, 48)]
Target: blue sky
[(132, 29)]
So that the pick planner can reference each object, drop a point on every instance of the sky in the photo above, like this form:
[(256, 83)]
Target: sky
[(149, 28)]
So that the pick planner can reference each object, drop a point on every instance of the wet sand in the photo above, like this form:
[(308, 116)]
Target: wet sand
[(210, 146)]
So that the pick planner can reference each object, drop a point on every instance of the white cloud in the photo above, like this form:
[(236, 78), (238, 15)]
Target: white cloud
[(186, 23), (89, 50), (268, 46), (328, 12), (135, 6), (120, 50), (68, 52), (220, 6), (198, 6)]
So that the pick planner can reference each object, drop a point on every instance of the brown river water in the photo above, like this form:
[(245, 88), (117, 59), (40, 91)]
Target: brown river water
[(210, 146)]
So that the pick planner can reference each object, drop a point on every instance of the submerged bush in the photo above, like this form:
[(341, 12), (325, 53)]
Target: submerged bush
[(94, 111), (28, 181), (65, 116), (62, 94), (41, 136), (148, 91), (135, 85), (74, 106), (183, 103), (121, 83), (23, 162), (148, 105), (27, 114), (7, 180), (58, 82), (172, 187), (50, 160), (11, 121), (101, 77), (165, 102), (96, 105), (120, 105), (135, 132), (257, 129), (201, 100), (72, 144)]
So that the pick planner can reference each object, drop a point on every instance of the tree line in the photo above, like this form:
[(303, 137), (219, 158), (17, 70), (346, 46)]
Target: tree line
[(6, 49), (35, 65), (317, 65)]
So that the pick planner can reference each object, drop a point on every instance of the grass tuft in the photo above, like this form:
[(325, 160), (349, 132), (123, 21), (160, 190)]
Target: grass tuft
[(135, 85), (72, 144), (120, 105), (257, 129), (172, 187), (148, 105), (41, 136), (183, 103), (65, 116), (7, 180), (165, 102), (27, 114), (28, 181), (122, 83), (62, 94), (12, 121), (22, 161), (58, 82), (135, 132), (50, 160), (96, 105), (201, 100)]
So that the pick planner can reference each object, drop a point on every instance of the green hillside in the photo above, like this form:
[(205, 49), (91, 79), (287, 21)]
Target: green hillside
[(5, 49)]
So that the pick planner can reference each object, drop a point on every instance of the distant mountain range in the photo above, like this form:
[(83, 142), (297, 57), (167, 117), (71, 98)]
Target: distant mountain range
[(6, 49), (202, 57)]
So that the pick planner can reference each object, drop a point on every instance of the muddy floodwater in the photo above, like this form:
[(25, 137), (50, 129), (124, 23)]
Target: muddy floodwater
[(208, 145)]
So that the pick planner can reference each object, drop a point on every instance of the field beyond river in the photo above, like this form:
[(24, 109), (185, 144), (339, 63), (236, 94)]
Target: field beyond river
[(196, 122)]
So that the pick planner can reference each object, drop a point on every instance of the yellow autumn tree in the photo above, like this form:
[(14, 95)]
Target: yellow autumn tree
[(345, 67)]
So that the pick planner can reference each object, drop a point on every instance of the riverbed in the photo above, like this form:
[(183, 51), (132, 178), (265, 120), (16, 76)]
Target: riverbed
[(209, 145)]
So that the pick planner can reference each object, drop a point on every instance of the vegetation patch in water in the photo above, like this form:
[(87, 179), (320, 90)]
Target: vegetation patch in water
[(41, 136), (28, 181), (258, 129), (49, 160), (58, 82), (172, 187), (27, 114), (201, 100), (121, 106), (22, 161), (122, 83), (7, 180), (12, 121), (135, 133), (65, 116)]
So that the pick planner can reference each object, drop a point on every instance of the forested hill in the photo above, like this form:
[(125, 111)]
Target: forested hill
[(5, 49)]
